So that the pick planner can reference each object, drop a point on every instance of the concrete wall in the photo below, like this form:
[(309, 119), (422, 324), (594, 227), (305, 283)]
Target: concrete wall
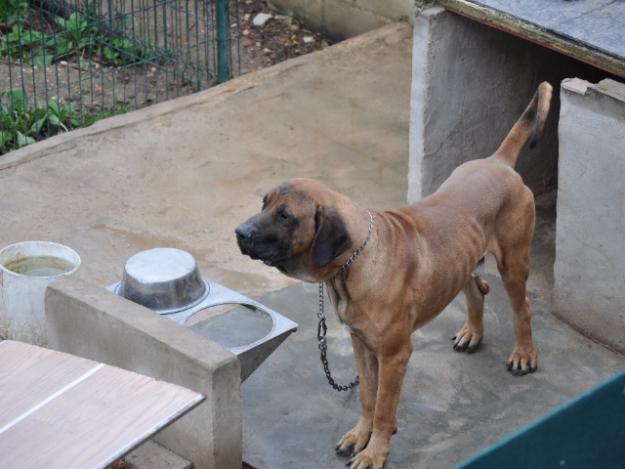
[(470, 83), (589, 271), (346, 18), (91, 322)]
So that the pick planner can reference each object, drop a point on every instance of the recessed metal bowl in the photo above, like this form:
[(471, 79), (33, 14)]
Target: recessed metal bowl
[(166, 280)]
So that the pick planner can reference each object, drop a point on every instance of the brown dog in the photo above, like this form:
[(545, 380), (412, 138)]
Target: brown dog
[(414, 262)]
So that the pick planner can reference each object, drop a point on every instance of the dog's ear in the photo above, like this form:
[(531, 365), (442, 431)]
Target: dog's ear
[(331, 237)]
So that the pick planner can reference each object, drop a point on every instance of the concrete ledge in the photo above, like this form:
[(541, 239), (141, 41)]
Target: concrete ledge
[(589, 271), (93, 323), (215, 95)]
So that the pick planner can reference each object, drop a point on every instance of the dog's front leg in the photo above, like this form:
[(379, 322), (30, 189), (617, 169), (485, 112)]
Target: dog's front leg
[(392, 368), (356, 439)]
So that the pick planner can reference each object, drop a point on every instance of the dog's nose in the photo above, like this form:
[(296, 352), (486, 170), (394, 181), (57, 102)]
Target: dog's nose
[(245, 231)]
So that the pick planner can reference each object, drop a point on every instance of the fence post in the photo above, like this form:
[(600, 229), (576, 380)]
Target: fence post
[(223, 41)]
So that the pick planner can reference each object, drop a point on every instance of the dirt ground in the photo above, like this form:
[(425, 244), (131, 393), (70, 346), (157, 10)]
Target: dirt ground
[(281, 38)]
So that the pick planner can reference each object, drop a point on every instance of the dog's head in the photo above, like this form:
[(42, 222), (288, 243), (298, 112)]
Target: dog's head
[(300, 230)]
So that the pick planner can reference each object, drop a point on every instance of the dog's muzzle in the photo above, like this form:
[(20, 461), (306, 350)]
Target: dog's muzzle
[(252, 244), (245, 238)]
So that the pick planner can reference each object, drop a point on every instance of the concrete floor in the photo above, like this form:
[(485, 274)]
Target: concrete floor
[(185, 173)]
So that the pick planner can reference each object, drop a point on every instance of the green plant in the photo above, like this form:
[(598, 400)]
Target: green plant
[(77, 35), (12, 11), (19, 41), (119, 51), (21, 125)]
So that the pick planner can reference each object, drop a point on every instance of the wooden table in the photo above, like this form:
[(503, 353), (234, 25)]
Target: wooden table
[(59, 411)]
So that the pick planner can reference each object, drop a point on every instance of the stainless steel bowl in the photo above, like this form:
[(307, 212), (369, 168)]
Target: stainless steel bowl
[(166, 280)]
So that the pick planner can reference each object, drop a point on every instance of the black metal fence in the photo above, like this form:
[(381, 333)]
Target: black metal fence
[(65, 64)]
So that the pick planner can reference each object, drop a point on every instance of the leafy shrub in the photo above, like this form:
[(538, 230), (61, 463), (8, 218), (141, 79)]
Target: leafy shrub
[(76, 35), (21, 125), (12, 11)]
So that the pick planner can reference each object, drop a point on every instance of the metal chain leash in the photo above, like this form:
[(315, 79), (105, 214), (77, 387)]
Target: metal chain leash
[(322, 328)]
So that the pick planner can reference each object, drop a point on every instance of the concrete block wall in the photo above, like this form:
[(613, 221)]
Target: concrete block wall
[(346, 18), (470, 83), (589, 271), (91, 322)]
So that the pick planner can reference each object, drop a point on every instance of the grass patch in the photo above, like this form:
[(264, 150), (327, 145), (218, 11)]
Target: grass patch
[(79, 35), (22, 125)]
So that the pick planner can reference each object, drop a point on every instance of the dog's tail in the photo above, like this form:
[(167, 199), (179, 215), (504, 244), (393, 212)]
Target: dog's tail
[(528, 127)]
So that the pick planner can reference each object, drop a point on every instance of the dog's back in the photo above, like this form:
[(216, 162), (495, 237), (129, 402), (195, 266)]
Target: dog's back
[(483, 206)]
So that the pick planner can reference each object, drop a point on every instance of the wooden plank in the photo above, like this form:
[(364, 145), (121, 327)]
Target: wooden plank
[(30, 374), (94, 422), (538, 34)]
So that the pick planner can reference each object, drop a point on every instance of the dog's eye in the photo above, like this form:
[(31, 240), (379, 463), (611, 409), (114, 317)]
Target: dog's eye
[(283, 215)]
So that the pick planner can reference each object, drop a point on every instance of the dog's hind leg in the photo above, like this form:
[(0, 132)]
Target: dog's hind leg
[(514, 236), (514, 269), (469, 337)]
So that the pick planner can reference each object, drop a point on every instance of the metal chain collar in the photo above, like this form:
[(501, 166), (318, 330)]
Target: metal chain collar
[(322, 328)]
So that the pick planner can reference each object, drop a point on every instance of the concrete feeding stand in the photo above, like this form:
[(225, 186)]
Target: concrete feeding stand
[(250, 355), (169, 282)]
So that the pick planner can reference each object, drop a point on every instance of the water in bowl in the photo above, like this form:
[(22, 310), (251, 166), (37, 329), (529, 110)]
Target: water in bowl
[(39, 266)]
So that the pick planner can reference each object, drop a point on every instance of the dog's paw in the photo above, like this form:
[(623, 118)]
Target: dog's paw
[(522, 361), (372, 457), (353, 441), (467, 340)]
